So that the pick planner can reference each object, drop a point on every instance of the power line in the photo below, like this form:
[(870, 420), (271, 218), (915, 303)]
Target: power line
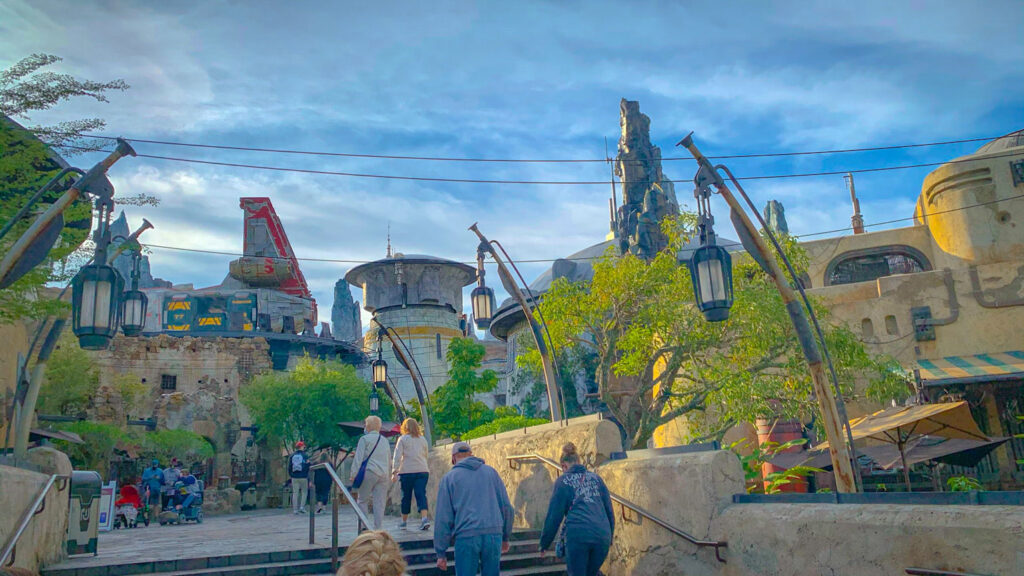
[(584, 258), (532, 160), (538, 182)]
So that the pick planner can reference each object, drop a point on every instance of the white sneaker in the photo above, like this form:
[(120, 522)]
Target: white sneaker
[(425, 524)]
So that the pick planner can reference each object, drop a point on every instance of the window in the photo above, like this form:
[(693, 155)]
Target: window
[(168, 382), (874, 263), (892, 328), (867, 328), (437, 343)]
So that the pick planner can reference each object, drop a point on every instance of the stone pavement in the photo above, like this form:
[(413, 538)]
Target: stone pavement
[(246, 532)]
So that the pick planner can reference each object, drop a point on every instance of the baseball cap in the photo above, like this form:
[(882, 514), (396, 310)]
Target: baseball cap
[(461, 448)]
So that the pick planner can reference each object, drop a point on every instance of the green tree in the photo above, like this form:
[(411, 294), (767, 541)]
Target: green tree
[(307, 403), (456, 409), (185, 445), (99, 444), (26, 165), (71, 379), (657, 358)]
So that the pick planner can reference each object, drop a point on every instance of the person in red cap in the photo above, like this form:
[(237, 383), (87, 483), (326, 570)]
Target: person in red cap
[(298, 471)]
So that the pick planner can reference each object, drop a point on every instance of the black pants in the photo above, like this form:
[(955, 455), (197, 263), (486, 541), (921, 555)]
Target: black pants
[(584, 558), (415, 482)]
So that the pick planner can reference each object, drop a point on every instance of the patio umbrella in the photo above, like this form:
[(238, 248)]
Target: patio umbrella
[(901, 425), (387, 429), (954, 451)]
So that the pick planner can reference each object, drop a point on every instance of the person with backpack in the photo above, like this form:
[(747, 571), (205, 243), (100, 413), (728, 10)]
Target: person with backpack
[(371, 470), (298, 471), (581, 499)]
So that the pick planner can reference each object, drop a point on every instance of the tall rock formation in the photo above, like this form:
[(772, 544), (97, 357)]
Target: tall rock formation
[(345, 314), (647, 195), (123, 262), (775, 215)]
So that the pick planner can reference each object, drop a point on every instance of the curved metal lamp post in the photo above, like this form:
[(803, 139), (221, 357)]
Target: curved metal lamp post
[(399, 348)]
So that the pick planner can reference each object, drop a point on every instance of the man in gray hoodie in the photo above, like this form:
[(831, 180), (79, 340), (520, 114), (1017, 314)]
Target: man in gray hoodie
[(474, 512)]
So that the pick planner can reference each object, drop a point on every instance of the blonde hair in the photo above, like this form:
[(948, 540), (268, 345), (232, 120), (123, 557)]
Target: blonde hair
[(373, 553), (569, 454), (373, 424), (411, 427)]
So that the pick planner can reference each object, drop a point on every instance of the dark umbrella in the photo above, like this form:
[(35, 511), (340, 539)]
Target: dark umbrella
[(387, 429)]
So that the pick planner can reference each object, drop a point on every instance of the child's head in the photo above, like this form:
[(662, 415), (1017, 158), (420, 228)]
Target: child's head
[(373, 553)]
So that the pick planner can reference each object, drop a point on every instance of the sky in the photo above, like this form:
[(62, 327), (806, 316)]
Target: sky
[(521, 79)]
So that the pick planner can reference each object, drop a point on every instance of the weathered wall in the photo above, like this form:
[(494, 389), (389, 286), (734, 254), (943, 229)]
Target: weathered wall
[(43, 541), (529, 486), (689, 491), (871, 539)]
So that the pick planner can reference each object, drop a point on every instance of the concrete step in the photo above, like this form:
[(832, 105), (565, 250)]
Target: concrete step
[(420, 553)]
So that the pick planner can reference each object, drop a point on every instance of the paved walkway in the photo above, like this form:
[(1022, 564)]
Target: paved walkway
[(252, 531)]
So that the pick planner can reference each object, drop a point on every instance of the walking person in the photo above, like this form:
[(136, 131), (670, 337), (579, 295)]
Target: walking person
[(474, 513), (322, 483), (153, 485), (298, 471), (411, 469), (171, 475), (581, 499), (373, 462)]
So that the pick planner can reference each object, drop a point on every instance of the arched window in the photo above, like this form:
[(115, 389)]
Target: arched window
[(874, 263)]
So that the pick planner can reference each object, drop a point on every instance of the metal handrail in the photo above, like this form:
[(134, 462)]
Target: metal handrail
[(717, 545), (337, 485), (36, 507)]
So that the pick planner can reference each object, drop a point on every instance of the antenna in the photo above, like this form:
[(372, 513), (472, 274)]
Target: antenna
[(388, 253), (856, 221)]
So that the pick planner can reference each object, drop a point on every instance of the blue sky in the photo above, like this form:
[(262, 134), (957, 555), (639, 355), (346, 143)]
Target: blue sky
[(513, 80)]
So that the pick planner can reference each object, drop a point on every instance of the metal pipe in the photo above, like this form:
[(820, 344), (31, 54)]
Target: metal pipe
[(7, 553), (364, 521), (57, 208), (838, 450), (334, 530), (415, 375), (513, 288)]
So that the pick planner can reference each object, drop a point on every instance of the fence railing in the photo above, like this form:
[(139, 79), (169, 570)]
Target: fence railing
[(336, 486), (35, 507), (626, 504)]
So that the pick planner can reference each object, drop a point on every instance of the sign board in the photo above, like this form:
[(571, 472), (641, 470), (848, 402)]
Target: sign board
[(107, 497)]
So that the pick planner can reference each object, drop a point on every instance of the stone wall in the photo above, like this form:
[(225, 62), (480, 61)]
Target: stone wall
[(43, 541), (529, 486)]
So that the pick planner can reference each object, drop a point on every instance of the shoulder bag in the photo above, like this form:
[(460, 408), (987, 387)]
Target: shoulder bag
[(361, 474)]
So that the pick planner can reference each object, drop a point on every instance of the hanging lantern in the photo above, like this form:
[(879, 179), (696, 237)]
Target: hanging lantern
[(374, 401), (95, 305), (380, 371), (482, 298), (711, 272), (133, 312)]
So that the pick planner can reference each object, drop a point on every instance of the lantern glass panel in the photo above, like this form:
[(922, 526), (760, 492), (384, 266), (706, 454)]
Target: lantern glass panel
[(380, 371), (133, 312), (483, 306), (712, 281)]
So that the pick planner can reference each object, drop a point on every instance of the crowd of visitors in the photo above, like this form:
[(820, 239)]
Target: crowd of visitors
[(473, 512), (162, 489)]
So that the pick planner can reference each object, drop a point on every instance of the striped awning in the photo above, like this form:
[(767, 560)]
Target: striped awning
[(967, 369)]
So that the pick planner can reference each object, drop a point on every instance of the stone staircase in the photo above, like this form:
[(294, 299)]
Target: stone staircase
[(523, 559)]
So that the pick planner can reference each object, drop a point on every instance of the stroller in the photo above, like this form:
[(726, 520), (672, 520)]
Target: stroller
[(128, 507)]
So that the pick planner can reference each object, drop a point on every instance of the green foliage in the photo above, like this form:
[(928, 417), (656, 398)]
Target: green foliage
[(572, 361), (71, 379), (184, 445), (963, 484), (100, 441), (131, 389), (757, 456), (308, 402), (503, 424), (456, 411), (657, 358)]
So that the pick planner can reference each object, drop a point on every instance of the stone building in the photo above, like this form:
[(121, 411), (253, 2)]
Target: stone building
[(420, 297)]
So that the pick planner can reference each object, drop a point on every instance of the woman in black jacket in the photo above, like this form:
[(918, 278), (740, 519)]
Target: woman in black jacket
[(582, 500)]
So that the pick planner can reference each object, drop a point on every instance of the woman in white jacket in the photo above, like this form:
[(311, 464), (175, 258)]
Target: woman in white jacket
[(376, 452), (411, 469)]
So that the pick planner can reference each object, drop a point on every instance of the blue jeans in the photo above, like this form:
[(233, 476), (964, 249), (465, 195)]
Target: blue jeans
[(478, 554), (584, 558)]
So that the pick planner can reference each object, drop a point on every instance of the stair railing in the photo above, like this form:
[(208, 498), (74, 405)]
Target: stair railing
[(336, 486), (627, 505), (36, 507)]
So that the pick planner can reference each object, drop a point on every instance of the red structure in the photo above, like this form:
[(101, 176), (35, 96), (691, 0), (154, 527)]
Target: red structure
[(265, 239)]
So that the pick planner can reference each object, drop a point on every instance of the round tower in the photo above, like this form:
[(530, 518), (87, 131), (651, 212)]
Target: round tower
[(420, 297)]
